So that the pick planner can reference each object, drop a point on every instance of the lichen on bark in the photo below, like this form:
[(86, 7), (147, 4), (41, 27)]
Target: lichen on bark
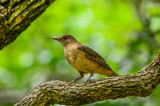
[(16, 16)]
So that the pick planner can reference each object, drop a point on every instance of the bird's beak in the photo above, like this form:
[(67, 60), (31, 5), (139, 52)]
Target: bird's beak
[(55, 38)]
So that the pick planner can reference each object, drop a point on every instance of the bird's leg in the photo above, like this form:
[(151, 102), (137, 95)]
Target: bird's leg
[(91, 74), (81, 76)]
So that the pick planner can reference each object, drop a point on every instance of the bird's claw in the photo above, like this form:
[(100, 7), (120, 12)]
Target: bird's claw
[(71, 83), (85, 83)]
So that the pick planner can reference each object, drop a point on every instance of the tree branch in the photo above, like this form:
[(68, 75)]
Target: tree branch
[(16, 16), (141, 84)]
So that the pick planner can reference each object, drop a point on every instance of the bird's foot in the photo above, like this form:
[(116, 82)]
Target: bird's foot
[(71, 83), (85, 83)]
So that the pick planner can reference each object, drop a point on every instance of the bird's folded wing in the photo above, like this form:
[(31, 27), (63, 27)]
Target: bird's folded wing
[(91, 54)]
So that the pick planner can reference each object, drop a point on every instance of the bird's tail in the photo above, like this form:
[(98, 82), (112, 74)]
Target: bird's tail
[(111, 73), (114, 74)]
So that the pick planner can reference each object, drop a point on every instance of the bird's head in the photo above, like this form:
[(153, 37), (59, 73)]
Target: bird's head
[(65, 40)]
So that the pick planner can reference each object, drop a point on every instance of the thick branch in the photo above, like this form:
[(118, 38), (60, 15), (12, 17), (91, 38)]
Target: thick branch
[(16, 16), (141, 84)]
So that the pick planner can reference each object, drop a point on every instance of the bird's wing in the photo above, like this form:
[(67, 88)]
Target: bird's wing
[(91, 54)]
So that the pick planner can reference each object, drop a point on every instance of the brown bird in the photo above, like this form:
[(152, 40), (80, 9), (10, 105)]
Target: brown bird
[(83, 58)]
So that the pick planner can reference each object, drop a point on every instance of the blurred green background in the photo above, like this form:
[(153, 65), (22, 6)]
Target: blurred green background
[(124, 32)]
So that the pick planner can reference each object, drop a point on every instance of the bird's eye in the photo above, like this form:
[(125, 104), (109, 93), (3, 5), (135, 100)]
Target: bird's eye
[(65, 37)]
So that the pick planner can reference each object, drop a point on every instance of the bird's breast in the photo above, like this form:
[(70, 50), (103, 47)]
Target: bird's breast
[(72, 55), (78, 60)]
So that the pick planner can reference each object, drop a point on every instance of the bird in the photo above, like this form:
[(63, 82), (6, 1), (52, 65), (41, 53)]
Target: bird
[(83, 58)]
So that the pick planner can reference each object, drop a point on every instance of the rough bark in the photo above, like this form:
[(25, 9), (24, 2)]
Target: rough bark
[(141, 84), (16, 16)]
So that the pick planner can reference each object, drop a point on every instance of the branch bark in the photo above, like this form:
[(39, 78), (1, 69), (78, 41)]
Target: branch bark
[(16, 16), (141, 84)]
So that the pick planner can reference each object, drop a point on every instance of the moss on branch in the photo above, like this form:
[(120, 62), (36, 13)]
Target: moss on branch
[(16, 16)]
